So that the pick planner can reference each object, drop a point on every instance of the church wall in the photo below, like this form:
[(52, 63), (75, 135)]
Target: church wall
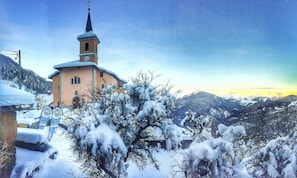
[(56, 89), (107, 79), (83, 88)]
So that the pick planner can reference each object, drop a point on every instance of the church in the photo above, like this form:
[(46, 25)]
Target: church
[(76, 82)]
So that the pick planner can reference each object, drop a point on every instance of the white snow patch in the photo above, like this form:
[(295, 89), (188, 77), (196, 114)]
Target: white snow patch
[(32, 135), (293, 104), (10, 96), (65, 165), (170, 166)]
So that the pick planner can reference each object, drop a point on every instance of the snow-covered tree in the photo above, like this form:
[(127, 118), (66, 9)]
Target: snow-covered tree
[(196, 124), (277, 159), (215, 157), (40, 101), (132, 117)]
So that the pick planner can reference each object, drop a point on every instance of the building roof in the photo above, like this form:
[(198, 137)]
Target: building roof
[(89, 34), (78, 63), (10, 96), (75, 63), (51, 76)]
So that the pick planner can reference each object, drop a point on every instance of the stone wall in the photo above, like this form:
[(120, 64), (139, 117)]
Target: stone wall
[(8, 131)]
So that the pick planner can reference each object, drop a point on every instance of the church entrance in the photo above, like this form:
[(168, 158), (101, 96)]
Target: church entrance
[(76, 102)]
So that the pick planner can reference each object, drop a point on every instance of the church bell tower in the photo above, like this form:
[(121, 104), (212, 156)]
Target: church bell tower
[(88, 42)]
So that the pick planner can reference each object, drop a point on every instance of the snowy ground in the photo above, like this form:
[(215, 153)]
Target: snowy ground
[(63, 166), (66, 166), (170, 163)]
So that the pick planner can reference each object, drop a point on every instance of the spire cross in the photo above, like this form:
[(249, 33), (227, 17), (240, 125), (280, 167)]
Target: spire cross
[(89, 5)]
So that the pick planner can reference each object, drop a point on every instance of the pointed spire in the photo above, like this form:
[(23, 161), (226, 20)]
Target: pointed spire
[(89, 23)]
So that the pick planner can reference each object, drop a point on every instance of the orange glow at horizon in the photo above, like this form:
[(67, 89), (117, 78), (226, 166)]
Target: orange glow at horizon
[(268, 92), (248, 92)]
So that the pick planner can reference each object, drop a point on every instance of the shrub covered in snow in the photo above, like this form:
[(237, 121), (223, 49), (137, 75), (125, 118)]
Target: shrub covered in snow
[(129, 121), (40, 101), (215, 157), (102, 145), (196, 124), (277, 159)]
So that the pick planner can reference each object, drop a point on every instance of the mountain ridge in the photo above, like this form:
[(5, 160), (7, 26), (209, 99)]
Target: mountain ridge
[(262, 117)]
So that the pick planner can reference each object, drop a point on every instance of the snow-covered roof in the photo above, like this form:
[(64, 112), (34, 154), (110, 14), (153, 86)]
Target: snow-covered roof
[(88, 34), (32, 135), (75, 63), (53, 74), (10, 96), (78, 63)]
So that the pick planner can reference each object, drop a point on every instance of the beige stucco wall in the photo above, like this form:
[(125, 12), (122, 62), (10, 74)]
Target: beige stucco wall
[(68, 89), (56, 89), (107, 79), (64, 91)]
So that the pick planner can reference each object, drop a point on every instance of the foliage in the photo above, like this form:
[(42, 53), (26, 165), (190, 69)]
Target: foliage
[(277, 158), (196, 124), (131, 118), (215, 157), (40, 101)]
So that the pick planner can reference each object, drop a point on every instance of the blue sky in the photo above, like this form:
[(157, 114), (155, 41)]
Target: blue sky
[(209, 45)]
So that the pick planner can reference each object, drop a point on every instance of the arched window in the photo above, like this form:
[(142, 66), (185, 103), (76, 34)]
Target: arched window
[(86, 46)]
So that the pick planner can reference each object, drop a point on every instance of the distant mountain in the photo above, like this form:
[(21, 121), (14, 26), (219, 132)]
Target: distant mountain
[(270, 119), (9, 70), (206, 104), (262, 117)]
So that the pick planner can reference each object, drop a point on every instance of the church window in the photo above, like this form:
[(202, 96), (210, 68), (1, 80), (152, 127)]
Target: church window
[(102, 86), (86, 46), (101, 74), (75, 80)]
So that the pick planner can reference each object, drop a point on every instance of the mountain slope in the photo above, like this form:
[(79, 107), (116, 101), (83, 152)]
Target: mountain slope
[(266, 120), (206, 104), (9, 70)]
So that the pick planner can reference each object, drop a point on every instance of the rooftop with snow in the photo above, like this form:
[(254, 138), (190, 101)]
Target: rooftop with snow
[(10, 96)]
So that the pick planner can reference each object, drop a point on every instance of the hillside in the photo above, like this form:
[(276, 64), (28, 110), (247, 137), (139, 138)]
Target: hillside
[(9, 70), (267, 120), (263, 118), (206, 104)]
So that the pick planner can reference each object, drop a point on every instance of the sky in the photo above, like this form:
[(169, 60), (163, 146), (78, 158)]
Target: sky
[(225, 47)]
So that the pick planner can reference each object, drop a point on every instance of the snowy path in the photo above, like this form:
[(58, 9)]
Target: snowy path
[(66, 166)]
